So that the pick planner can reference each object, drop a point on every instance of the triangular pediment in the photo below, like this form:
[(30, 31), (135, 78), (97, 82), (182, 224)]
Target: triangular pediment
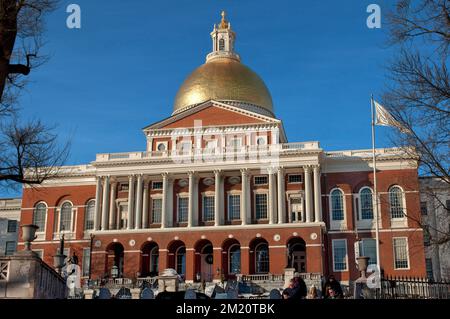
[(212, 113)]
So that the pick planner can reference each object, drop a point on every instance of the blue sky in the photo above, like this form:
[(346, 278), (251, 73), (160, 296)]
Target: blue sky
[(121, 70)]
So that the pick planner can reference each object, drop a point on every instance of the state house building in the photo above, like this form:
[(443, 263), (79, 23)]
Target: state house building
[(220, 192)]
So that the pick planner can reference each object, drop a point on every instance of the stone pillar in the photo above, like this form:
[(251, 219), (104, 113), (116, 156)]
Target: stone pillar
[(272, 198), (308, 194), (244, 194), (164, 200), (217, 197), (98, 197), (138, 208), (145, 206), (105, 203), (281, 196), (191, 207), (130, 224), (317, 195), (112, 206), (245, 260)]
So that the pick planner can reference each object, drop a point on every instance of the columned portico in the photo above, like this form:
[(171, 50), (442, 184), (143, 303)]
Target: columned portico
[(112, 206), (192, 199), (308, 195), (98, 196), (145, 205), (138, 208), (281, 196), (130, 224), (165, 177), (317, 195), (272, 197), (218, 198), (105, 203), (245, 190)]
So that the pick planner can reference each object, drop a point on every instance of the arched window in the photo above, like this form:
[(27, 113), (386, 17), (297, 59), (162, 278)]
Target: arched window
[(154, 259), (89, 215), (337, 205), (39, 216), (366, 203), (65, 217), (262, 259), (235, 259), (221, 45), (180, 257), (396, 202)]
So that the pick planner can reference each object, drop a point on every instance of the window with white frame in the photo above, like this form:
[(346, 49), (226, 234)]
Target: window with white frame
[(234, 254), (294, 178), (157, 185), (261, 140), (401, 259), (260, 180), (234, 206), (86, 261), (366, 203), (261, 206), (397, 209), (39, 216), (208, 208), (123, 187), (89, 215), (161, 146), (10, 248), (12, 226), (123, 216), (340, 255), (183, 208), (262, 258), (337, 205), (156, 210), (367, 248), (65, 217)]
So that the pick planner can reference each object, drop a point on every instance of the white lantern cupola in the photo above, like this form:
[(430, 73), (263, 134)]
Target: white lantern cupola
[(223, 41)]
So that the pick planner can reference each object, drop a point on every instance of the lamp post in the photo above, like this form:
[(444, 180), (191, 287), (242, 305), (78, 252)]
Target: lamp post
[(58, 259), (92, 236)]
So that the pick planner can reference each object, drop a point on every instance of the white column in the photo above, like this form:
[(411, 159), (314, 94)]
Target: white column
[(308, 194), (145, 206), (98, 198), (244, 194), (130, 223), (317, 195), (191, 207), (138, 208), (105, 203), (112, 206), (272, 198), (281, 197), (217, 197), (164, 200)]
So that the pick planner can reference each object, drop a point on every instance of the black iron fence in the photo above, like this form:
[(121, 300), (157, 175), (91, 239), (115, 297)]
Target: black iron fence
[(412, 288)]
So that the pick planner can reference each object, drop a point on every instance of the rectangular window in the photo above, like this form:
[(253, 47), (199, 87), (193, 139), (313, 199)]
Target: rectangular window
[(208, 208), (368, 249), (12, 226), (86, 261), (429, 268), (423, 208), (123, 187), (157, 185), (234, 207), (294, 179), (183, 204), (123, 216), (10, 248), (260, 180), (156, 210), (401, 253), (261, 206), (340, 254)]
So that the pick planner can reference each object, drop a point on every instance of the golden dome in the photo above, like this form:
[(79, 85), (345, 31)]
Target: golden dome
[(223, 79)]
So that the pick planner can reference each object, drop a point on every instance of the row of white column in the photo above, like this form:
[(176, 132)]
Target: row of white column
[(138, 200)]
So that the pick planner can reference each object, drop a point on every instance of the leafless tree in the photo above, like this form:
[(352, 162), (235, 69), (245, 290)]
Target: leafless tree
[(418, 92), (29, 152)]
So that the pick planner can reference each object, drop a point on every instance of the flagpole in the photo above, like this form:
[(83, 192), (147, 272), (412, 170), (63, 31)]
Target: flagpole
[(377, 231)]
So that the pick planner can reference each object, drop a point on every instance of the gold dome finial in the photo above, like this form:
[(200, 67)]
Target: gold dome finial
[(223, 23)]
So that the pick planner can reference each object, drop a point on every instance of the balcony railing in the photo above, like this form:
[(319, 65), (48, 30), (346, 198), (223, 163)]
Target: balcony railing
[(214, 153)]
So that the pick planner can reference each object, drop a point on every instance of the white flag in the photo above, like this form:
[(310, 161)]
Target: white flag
[(384, 118)]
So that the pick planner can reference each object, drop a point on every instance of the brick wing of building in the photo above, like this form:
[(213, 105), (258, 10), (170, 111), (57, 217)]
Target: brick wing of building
[(219, 192)]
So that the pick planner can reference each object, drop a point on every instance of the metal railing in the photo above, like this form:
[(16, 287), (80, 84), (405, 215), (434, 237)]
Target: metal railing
[(412, 288)]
